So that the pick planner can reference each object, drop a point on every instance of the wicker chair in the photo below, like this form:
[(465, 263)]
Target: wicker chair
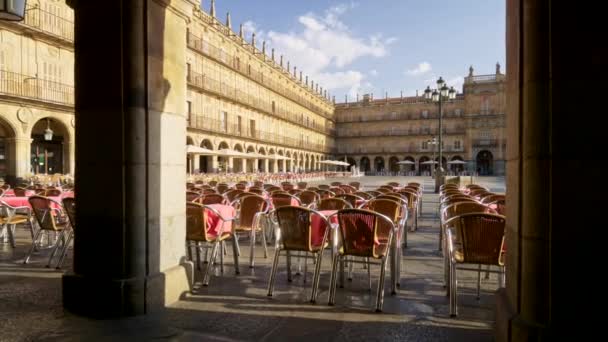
[(397, 212), (222, 188), (192, 196), (333, 204), (302, 185), (393, 184), (412, 204), (296, 235), (257, 191), (50, 220), (312, 188), (492, 198), (19, 192), (258, 184), (231, 195), (5, 186), (250, 209), (356, 185), (294, 192), (335, 183), (11, 216), (240, 186), (212, 199), (198, 235), (374, 193), (352, 199), (383, 190), (363, 195), (213, 183), (337, 190), (52, 192), (362, 234), (348, 189), (206, 192), (309, 198), (500, 205), (325, 194), (287, 186), (324, 186), (481, 238), (69, 204)]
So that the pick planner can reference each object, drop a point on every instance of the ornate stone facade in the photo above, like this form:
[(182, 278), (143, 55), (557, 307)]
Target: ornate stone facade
[(376, 134)]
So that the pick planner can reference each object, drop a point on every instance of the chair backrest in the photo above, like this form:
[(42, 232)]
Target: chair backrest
[(240, 186), (308, 197), (335, 183), (351, 199), (412, 197), (374, 193), (500, 205), (302, 185), (402, 199), (192, 196), (348, 188), (481, 237), (294, 191), (312, 188), (324, 186), (257, 191), (249, 206), (40, 191), (325, 193), (52, 192), (189, 185), (363, 195), (414, 184), (230, 195), (2, 191), (388, 207), (272, 188), (19, 192), (5, 186), (355, 185), (364, 233), (461, 208), (258, 184), (333, 204), (296, 229), (212, 199), (196, 222), (337, 190), (206, 192), (213, 183), (43, 212), (222, 188), (287, 186), (283, 200), (393, 184), (69, 205), (477, 192), (384, 190)]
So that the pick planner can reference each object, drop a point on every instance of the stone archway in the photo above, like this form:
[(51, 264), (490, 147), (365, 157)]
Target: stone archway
[(206, 162), (365, 164), (379, 164), (50, 147), (457, 164), (408, 168), (8, 156), (392, 164), (424, 169), (485, 163)]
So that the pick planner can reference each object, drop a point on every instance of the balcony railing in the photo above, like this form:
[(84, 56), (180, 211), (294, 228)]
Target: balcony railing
[(399, 150), (398, 117), (49, 23), (13, 84), (214, 86), (216, 126), (210, 50), (400, 132), (484, 78), (488, 143)]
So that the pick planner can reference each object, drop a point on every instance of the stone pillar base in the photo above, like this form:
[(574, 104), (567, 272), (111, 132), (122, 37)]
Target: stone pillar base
[(113, 298), (509, 325)]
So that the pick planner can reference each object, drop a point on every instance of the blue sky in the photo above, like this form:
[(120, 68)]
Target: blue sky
[(366, 46)]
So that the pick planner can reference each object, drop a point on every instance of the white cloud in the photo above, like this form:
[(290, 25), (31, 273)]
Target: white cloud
[(420, 69), (373, 72), (456, 82), (323, 47)]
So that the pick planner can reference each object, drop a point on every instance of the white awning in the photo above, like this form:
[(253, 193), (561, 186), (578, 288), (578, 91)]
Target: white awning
[(191, 149)]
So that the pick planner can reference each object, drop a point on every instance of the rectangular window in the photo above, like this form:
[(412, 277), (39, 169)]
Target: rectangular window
[(188, 69), (457, 144), (189, 107), (425, 145), (239, 125), (274, 107), (252, 128), (224, 121)]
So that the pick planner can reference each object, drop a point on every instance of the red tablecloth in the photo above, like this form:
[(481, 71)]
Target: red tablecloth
[(23, 201), (318, 226), (214, 223), (11, 193), (294, 203)]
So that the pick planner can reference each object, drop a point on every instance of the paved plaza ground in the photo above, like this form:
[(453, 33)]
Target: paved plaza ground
[(236, 308)]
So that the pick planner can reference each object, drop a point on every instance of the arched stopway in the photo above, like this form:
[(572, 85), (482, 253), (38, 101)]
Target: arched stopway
[(485, 163), (352, 163), (250, 163), (189, 141), (444, 163), (272, 163), (262, 162), (223, 160), (457, 164), (50, 140), (8, 158), (393, 166), (237, 163), (365, 165), (379, 164), (424, 169), (205, 162), (408, 168)]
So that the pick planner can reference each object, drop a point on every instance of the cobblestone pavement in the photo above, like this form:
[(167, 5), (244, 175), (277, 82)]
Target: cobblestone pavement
[(236, 308)]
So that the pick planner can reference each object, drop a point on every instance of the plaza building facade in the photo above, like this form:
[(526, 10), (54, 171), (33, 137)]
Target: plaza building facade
[(377, 134), (37, 91)]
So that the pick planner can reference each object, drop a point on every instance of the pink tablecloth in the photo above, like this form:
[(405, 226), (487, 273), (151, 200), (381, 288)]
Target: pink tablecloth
[(214, 223), (23, 201), (11, 193), (318, 226)]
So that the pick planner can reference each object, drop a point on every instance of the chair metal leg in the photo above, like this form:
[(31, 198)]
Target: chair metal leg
[(380, 297), (222, 252), (369, 274), (342, 261), (56, 247), (350, 262), (332, 280), (393, 271), (252, 247), (236, 241), (487, 276), (198, 255), (478, 281), (305, 266), (453, 291), (264, 243), (27, 258), (210, 264), (189, 250), (65, 250), (288, 253), (235, 255), (440, 237), (10, 230), (273, 272), (316, 277)]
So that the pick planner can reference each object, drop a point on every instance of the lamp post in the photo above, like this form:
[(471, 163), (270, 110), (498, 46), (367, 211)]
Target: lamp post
[(439, 95), (433, 142)]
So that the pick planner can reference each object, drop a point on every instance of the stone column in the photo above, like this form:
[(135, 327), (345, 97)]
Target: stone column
[(196, 163), (243, 165), (214, 163), (265, 163), (255, 165), (230, 164), (137, 266), (19, 153), (546, 298)]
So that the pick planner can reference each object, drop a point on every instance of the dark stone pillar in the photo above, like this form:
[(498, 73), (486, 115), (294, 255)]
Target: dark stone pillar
[(123, 111), (556, 61)]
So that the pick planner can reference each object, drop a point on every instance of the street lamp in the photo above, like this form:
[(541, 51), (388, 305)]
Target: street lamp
[(433, 142), (439, 95), (12, 10), (48, 132)]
